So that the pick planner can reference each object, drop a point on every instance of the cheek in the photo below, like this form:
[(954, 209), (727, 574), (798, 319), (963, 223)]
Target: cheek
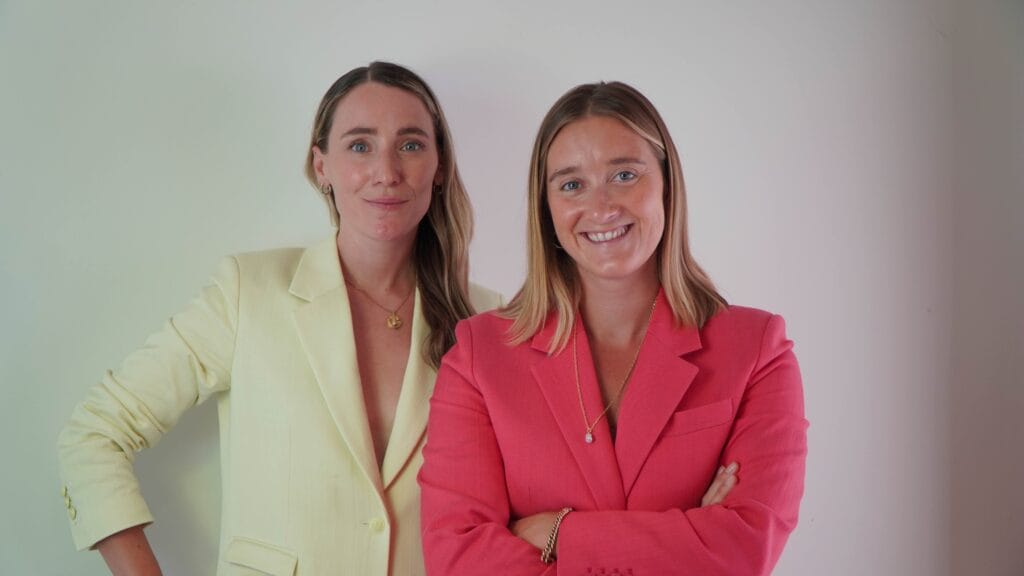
[(655, 211), (423, 201), (658, 217), (424, 172), (562, 218), (348, 175), (355, 178)]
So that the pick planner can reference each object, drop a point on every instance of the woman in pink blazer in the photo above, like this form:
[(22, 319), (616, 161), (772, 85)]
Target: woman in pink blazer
[(575, 431)]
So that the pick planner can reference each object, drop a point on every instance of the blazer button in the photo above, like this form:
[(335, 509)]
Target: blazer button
[(377, 525), (64, 492), (72, 513), (67, 501)]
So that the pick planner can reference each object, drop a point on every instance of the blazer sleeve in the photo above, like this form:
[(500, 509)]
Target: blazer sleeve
[(746, 533), (465, 507), (132, 407)]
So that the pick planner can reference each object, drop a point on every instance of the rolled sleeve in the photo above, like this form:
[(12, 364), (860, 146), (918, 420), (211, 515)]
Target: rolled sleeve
[(132, 407)]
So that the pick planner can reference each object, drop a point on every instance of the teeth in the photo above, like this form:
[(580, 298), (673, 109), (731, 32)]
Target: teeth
[(606, 236)]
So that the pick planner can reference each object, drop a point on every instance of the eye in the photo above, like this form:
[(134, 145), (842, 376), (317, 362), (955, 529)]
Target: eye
[(412, 146), (359, 147), (624, 176), (570, 186)]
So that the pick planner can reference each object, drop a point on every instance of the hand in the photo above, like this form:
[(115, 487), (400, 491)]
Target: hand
[(535, 529), (722, 484)]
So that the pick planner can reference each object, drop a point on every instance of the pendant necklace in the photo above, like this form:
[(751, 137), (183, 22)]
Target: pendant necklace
[(589, 436), (393, 320)]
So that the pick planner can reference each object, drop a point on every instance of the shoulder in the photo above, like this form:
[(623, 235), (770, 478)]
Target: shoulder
[(738, 318), (268, 261), (484, 298), (745, 335), (485, 335), (487, 327), (482, 344), (314, 266), (235, 272), (741, 324)]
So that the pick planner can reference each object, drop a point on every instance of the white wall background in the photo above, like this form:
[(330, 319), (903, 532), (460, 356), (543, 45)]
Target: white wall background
[(855, 166)]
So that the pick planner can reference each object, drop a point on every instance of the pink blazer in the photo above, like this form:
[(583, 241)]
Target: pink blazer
[(506, 440)]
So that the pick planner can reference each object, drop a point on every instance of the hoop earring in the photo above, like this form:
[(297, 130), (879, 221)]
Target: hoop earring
[(326, 189)]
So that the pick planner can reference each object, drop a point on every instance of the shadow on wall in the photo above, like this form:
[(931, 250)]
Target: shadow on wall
[(987, 400)]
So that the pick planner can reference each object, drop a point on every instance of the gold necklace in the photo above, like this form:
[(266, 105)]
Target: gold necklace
[(394, 321), (589, 437)]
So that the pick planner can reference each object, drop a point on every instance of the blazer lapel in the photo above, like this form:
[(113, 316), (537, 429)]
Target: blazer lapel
[(659, 382), (557, 380), (325, 328), (413, 402)]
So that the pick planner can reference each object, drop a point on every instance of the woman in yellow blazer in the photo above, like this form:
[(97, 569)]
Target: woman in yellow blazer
[(322, 360)]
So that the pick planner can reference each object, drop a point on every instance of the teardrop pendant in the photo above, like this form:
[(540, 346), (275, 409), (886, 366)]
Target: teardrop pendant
[(589, 438)]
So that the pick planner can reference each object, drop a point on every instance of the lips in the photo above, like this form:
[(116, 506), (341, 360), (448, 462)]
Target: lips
[(607, 235), (387, 202)]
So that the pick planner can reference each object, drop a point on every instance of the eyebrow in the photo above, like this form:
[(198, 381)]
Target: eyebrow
[(613, 162), (361, 130), (562, 172), (626, 160), (413, 130)]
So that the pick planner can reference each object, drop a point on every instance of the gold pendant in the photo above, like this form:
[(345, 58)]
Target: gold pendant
[(394, 321)]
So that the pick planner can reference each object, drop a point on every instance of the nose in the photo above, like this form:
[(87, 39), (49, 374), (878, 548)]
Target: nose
[(604, 207), (389, 169)]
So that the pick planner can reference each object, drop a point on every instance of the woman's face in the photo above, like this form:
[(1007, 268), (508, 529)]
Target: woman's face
[(382, 162), (604, 190)]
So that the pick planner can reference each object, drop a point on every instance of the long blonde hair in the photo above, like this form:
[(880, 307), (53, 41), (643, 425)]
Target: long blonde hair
[(552, 283), (441, 253)]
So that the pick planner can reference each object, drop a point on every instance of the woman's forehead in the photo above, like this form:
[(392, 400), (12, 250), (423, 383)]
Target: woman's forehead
[(596, 139), (384, 109)]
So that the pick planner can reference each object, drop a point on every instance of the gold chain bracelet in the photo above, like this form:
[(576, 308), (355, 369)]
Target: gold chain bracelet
[(547, 555)]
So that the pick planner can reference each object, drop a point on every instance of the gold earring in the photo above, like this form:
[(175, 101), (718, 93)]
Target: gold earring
[(326, 189)]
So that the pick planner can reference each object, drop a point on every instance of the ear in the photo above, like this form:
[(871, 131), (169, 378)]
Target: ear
[(318, 165)]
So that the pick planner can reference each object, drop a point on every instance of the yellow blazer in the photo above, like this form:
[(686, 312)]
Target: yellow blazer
[(271, 338)]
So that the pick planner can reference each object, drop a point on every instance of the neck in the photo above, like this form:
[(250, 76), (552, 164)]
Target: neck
[(379, 267), (617, 312)]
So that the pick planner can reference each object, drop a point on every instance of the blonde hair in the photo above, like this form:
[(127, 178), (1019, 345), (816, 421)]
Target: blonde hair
[(441, 253), (552, 284)]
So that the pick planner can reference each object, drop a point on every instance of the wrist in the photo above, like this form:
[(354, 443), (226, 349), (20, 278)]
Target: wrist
[(547, 555)]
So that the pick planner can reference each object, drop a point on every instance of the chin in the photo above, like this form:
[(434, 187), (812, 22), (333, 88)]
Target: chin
[(392, 233), (612, 272), (618, 269)]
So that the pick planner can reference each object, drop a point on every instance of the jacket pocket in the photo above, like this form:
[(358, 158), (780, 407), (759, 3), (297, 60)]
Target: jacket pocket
[(248, 557), (699, 418)]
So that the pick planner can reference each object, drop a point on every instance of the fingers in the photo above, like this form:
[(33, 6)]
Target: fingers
[(726, 487), (712, 491), (724, 481)]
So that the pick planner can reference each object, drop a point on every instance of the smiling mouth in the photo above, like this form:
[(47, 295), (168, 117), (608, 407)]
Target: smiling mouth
[(608, 236)]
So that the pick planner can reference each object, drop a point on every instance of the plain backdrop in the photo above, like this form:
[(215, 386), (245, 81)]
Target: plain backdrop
[(856, 166)]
